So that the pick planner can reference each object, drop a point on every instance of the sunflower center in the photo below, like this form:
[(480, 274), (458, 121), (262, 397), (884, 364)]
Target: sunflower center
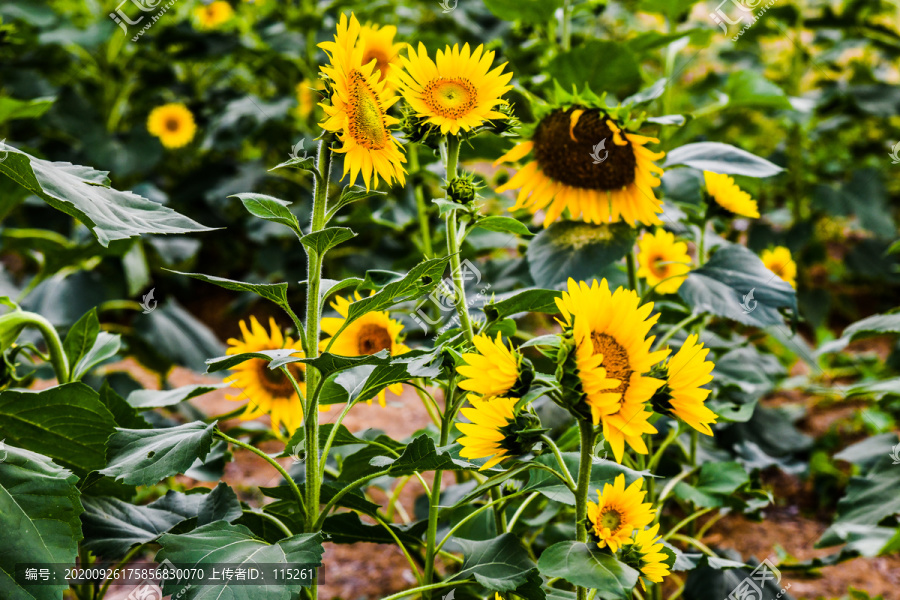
[(615, 359), (570, 161), (451, 98), (172, 124), (382, 61), (658, 267), (274, 381), (611, 519), (373, 338), (366, 117)]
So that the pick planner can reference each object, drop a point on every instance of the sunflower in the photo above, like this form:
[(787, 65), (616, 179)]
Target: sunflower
[(173, 124), (729, 196), (618, 512), (306, 99), (663, 261), (562, 174), (492, 431), (210, 16), (683, 396), (372, 332), (615, 327), (779, 261), (651, 558), (457, 91), (494, 370), (268, 389), (378, 45), (358, 110)]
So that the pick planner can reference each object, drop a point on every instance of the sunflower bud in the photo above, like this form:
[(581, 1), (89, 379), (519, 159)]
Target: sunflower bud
[(523, 382), (572, 396), (522, 434), (419, 130), (463, 189), (662, 399), (507, 125)]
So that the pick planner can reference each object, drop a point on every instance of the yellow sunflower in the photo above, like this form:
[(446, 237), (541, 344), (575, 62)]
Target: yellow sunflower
[(729, 196), (618, 512), (372, 332), (779, 261), (614, 326), (214, 14), (268, 390), (358, 110), (663, 261), (378, 45), (488, 433), (683, 396), (652, 559), (306, 99), (173, 124), (564, 175), (491, 371), (457, 91)]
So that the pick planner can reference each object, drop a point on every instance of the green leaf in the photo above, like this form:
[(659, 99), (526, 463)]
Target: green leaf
[(326, 239), (348, 528), (83, 193), (328, 364), (581, 565), (421, 455), (723, 287), (105, 347), (868, 501), (39, 515), (171, 334), (81, 337), (504, 225), (220, 363), (274, 292), (270, 209), (220, 542), (534, 11), (11, 108), (530, 300), (112, 526), (749, 88), (367, 380), (349, 195), (67, 423), (602, 472), (717, 482), (874, 325), (124, 414), (599, 64), (304, 163), (146, 456), (876, 389), (145, 399), (576, 249), (500, 564), (721, 158)]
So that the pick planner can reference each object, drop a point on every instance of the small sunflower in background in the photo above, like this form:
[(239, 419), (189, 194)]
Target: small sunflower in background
[(494, 369), (585, 162), (358, 110), (729, 196), (269, 391), (662, 261), (648, 555), (306, 99), (371, 333), (378, 45), (618, 511), (173, 124), (457, 91), (779, 261), (214, 14), (496, 431), (683, 395)]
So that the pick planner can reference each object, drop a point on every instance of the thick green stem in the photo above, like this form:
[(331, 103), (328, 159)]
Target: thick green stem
[(18, 319), (566, 34), (581, 493), (434, 504), (462, 306), (632, 272), (421, 207)]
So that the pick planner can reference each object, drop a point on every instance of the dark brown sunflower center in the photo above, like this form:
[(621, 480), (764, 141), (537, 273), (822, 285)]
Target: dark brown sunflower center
[(611, 519), (372, 339), (451, 98), (366, 117), (274, 381), (381, 61), (658, 266), (571, 161), (615, 359), (172, 124)]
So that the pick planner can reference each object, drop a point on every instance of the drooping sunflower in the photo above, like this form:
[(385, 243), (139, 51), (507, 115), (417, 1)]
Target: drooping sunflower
[(729, 196), (214, 14), (618, 512), (662, 261), (494, 370), (650, 557), (372, 332), (358, 110), (564, 175), (269, 391), (779, 261), (683, 395), (614, 326), (458, 91), (173, 124), (496, 431), (378, 45)]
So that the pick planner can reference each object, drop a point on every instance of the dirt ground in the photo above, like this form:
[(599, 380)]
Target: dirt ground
[(371, 571)]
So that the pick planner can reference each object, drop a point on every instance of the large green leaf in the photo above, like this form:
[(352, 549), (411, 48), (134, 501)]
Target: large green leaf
[(274, 292), (868, 501), (717, 482), (68, 423), (600, 64), (81, 337), (735, 284), (84, 194), (576, 249), (270, 209), (749, 88), (721, 158), (219, 542), (421, 455), (146, 456), (602, 472), (11, 108), (39, 509), (326, 239), (874, 325), (500, 564), (348, 528), (530, 300), (105, 347), (145, 399), (581, 565)]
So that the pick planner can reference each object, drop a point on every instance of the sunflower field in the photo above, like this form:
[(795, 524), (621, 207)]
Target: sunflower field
[(449, 299)]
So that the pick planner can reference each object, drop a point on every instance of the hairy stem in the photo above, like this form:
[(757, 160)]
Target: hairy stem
[(462, 307), (581, 493)]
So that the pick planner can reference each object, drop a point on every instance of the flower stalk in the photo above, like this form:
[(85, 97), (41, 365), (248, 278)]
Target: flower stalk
[(451, 160), (581, 492)]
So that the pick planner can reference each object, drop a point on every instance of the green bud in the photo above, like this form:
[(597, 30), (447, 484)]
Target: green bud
[(462, 190)]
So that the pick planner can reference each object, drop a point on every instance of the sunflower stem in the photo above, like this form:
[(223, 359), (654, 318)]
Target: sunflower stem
[(435, 500), (581, 493), (462, 306), (632, 272), (19, 319)]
